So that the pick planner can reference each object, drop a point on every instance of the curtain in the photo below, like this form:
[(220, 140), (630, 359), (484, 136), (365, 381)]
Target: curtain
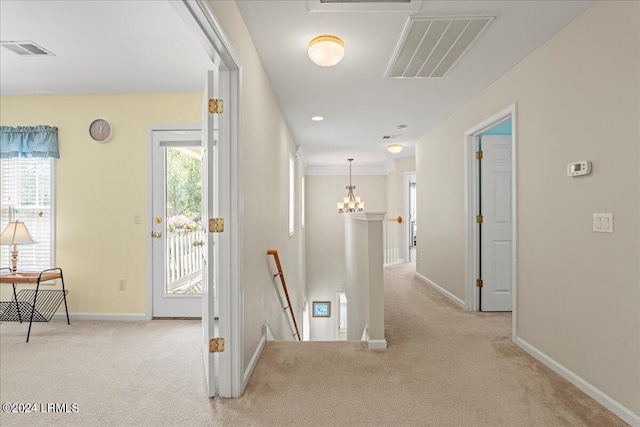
[(29, 141)]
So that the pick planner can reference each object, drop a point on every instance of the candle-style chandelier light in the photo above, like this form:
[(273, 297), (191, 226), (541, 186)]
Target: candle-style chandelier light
[(350, 203)]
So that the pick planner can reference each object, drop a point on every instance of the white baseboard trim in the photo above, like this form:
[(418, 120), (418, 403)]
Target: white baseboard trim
[(365, 334), (267, 332), (598, 395), (399, 261), (118, 317), (442, 290), (377, 344), (254, 360)]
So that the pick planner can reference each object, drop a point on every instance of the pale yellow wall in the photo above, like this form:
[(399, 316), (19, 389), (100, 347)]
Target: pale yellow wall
[(395, 195), (266, 145), (578, 291), (99, 188), (325, 239)]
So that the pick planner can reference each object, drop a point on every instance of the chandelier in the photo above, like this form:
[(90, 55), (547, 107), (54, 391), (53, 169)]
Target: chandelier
[(350, 203)]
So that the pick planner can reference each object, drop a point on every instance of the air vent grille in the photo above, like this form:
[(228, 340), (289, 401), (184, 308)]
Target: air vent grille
[(26, 48), (430, 47), (365, 1)]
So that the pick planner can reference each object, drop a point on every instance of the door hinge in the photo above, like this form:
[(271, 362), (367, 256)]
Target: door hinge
[(479, 283), (216, 225), (216, 106), (479, 155), (479, 219), (216, 345)]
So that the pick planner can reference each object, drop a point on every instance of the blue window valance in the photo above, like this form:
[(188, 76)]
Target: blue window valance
[(29, 141)]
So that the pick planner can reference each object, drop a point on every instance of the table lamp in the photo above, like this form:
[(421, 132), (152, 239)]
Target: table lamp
[(16, 233)]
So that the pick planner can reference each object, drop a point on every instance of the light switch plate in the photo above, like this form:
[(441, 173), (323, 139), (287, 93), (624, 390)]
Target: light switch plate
[(603, 222)]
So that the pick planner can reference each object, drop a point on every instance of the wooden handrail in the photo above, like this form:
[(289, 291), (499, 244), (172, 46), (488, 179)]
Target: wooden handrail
[(274, 252), (398, 220)]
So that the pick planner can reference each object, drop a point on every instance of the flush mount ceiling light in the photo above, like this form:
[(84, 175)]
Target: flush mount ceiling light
[(326, 50), (394, 148), (317, 118)]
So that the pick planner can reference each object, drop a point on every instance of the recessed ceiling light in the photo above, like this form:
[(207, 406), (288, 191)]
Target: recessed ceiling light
[(326, 50), (317, 118), (394, 148)]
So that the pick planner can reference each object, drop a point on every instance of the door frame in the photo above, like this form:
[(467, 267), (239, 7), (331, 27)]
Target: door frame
[(149, 208), (202, 22), (148, 228), (472, 238), (407, 225)]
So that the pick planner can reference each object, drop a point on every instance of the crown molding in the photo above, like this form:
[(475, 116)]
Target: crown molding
[(383, 169), (301, 160)]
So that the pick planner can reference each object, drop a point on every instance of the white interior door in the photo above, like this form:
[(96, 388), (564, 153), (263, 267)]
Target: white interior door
[(496, 238), (176, 223), (210, 308)]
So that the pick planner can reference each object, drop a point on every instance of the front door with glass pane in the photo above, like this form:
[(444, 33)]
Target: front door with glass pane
[(176, 223)]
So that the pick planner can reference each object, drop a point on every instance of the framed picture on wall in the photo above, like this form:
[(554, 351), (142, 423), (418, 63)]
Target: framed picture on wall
[(322, 309)]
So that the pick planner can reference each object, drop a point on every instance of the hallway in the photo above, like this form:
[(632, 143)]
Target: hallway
[(444, 366)]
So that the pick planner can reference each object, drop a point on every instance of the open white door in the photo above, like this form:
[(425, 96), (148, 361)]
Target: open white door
[(209, 285), (497, 239), (222, 314)]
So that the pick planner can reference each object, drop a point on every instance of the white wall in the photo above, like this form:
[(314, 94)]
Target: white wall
[(395, 195), (325, 252), (267, 144), (578, 291)]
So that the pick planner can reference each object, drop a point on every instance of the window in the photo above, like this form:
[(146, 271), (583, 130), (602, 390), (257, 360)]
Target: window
[(292, 194), (26, 194), (302, 201)]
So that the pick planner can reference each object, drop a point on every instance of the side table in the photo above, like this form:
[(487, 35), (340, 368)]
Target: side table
[(34, 304)]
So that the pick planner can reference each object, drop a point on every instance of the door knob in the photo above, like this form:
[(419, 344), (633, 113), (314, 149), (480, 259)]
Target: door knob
[(156, 234), (198, 243)]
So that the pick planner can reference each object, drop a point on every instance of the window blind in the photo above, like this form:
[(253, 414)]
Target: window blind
[(26, 194)]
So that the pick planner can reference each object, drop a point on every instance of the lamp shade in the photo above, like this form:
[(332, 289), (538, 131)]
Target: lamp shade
[(326, 50), (16, 233)]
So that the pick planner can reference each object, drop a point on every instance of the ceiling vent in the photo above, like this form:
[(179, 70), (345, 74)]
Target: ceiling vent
[(430, 47), (26, 48), (365, 1), (410, 6), (390, 136)]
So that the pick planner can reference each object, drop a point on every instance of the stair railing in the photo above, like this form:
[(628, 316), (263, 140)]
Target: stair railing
[(391, 232), (274, 253)]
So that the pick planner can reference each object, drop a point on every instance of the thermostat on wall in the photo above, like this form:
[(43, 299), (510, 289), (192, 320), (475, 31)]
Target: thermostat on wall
[(579, 168)]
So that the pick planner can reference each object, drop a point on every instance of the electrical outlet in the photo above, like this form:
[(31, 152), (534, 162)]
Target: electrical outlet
[(136, 218), (421, 256), (122, 284)]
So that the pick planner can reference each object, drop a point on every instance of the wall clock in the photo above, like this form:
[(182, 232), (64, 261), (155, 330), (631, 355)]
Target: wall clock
[(101, 130)]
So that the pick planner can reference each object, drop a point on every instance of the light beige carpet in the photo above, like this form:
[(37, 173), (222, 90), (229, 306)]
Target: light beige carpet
[(443, 367)]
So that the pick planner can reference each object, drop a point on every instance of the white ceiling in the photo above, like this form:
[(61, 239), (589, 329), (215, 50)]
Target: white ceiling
[(143, 46), (358, 103), (100, 47)]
